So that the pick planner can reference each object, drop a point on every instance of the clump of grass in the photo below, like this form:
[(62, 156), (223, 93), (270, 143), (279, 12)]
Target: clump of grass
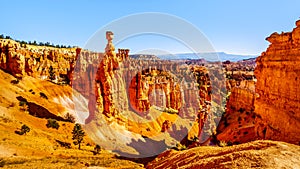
[(179, 147), (70, 118), (222, 144), (23, 105)]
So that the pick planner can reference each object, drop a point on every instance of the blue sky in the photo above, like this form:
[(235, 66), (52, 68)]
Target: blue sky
[(238, 27)]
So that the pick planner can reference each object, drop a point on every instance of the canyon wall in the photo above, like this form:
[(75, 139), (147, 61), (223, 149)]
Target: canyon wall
[(124, 84), (278, 73), (114, 83), (271, 109)]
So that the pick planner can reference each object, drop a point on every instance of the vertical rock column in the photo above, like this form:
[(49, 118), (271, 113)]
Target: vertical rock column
[(110, 85)]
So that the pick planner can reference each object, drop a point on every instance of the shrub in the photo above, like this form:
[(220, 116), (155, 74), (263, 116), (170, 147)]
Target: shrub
[(97, 149), (195, 139), (63, 144), (15, 81), (23, 105), (52, 123), (241, 110), (70, 118), (222, 144), (180, 147), (170, 110), (24, 129), (43, 95)]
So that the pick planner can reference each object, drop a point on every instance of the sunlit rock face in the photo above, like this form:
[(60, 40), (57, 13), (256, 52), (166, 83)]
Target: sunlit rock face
[(148, 102), (278, 73), (11, 59), (47, 63), (271, 109), (239, 122), (140, 97)]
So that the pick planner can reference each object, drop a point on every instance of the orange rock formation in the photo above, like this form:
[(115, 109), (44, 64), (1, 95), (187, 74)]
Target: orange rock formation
[(272, 110), (239, 122), (278, 84), (46, 63), (114, 82)]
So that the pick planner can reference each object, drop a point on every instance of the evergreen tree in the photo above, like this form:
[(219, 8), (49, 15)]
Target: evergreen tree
[(78, 135)]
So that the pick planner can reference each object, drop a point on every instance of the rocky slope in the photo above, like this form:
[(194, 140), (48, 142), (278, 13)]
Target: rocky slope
[(258, 154), (42, 147)]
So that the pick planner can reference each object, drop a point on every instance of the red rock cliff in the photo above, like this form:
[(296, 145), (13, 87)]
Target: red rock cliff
[(278, 81)]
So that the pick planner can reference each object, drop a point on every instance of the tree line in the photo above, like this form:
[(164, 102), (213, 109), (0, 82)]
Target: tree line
[(48, 44)]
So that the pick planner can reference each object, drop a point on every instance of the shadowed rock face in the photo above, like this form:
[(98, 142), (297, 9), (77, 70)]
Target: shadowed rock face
[(278, 73), (39, 111)]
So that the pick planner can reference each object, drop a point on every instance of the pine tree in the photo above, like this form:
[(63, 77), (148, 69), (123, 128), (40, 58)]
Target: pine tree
[(78, 135)]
